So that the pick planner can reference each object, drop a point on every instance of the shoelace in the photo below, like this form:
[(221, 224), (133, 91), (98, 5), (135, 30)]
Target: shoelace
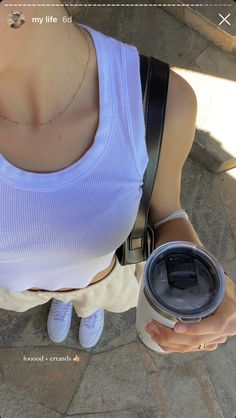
[(90, 320), (60, 309)]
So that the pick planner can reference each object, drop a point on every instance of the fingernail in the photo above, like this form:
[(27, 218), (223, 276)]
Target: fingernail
[(180, 328)]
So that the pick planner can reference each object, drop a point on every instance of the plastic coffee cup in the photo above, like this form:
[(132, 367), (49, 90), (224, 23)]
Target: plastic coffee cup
[(182, 281)]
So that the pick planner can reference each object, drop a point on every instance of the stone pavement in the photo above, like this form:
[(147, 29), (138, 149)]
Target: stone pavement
[(217, 22), (213, 78), (120, 377)]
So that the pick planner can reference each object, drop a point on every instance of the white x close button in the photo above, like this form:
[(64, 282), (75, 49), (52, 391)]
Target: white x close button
[(224, 19)]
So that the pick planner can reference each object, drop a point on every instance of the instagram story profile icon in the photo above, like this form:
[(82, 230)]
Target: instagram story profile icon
[(15, 19)]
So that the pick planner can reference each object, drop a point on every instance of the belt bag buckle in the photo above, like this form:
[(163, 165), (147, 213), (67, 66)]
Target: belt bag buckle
[(137, 250)]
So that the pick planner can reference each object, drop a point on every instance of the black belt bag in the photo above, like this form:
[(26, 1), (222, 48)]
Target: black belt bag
[(154, 79)]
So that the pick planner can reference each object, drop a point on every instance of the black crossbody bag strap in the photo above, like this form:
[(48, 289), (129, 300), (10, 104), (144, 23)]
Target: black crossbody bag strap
[(154, 79)]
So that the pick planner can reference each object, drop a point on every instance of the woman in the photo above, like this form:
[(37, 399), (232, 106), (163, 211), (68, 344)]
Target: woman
[(73, 156)]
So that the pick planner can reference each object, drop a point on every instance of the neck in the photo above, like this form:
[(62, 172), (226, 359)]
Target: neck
[(46, 70)]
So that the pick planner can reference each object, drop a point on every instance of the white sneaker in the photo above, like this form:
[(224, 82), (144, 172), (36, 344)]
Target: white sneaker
[(59, 320), (91, 328)]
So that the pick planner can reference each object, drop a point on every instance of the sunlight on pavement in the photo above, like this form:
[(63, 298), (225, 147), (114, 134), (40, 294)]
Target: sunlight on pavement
[(216, 108)]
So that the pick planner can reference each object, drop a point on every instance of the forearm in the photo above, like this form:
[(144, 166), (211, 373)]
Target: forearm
[(179, 229)]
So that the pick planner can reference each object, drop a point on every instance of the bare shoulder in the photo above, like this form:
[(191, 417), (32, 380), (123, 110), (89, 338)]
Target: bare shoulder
[(178, 136), (178, 86)]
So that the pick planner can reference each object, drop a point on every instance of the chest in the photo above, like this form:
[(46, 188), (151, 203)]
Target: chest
[(57, 145), (51, 149)]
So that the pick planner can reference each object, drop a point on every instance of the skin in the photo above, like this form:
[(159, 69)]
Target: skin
[(178, 136), (40, 92)]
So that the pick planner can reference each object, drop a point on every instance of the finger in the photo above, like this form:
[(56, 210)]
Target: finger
[(168, 336), (197, 343), (182, 348), (220, 340), (214, 323), (181, 345), (186, 349), (230, 329)]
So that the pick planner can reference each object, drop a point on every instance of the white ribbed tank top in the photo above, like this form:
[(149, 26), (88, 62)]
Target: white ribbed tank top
[(60, 229)]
